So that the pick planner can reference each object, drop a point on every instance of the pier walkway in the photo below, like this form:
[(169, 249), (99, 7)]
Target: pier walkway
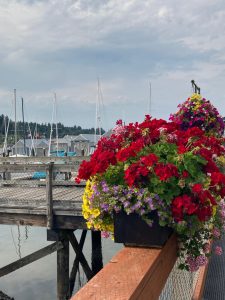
[(54, 200)]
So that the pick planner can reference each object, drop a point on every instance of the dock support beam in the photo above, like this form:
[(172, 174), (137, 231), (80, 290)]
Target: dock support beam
[(96, 258), (63, 269)]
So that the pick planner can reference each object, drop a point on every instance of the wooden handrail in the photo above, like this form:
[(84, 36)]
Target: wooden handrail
[(23, 167), (45, 159), (134, 273)]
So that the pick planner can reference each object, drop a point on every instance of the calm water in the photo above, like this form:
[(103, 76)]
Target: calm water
[(38, 280)]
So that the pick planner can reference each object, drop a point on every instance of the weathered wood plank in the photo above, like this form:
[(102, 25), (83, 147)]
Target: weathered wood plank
[(44, 159), (31, 258), (26, 168), (60, 221), (38, 183), (34, 193)]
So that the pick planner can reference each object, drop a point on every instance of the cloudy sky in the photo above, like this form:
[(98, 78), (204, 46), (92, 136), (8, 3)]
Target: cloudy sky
[(64, 46)]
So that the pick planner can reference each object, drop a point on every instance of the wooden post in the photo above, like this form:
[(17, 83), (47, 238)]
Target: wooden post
[(6, 175), (96, 257), (63, 269), (49, 177)]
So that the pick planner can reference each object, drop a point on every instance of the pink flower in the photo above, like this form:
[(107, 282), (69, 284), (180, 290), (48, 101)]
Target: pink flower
[(218, 250), (105, 234), (216, 232), (201, 260)]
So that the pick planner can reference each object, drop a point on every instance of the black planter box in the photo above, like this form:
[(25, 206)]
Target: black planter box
[(134, 231)]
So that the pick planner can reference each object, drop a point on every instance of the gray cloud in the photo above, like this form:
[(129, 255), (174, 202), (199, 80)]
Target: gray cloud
[(65, 45)]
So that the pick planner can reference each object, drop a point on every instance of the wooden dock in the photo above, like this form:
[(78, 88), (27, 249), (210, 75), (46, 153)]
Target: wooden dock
[(53, 202), (25, 201)]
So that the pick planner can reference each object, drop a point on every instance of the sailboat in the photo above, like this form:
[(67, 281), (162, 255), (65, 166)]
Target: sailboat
[(98, 119)]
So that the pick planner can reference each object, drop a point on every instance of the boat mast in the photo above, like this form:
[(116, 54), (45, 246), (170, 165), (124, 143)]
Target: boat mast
[(15, 122), (54, 114), (56, 125), (51, 130), (6, 134), (97, 113), (24, 130)]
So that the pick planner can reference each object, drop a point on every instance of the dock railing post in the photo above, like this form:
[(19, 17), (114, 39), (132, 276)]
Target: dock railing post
[(63, 289), (49, 186), (6, 175), (96, 257)]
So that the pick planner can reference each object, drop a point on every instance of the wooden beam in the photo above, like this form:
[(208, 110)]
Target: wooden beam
[(63, 269), (75, 160), (30, 258), (96, 255), (75, 267), (60, 221), (28, 182), (49, 199), (69, 222), (83, 261), (28, 168), (22, 219), (134, 273)]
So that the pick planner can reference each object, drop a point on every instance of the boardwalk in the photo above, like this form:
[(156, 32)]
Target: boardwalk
[(25, 201)]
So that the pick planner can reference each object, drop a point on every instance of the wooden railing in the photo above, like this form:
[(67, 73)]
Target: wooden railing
[(26, 167), (75, 160), (138, 274)]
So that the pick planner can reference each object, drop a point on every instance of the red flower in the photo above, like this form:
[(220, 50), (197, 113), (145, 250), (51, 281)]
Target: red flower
[(164, 172), (182, 205), (197, 188), (130, 151), (182, 149), (204, 213), (185, 174), (149, 160)]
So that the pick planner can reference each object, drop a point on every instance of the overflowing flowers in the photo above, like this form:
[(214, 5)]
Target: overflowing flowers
[(197, 111), (157, 166)]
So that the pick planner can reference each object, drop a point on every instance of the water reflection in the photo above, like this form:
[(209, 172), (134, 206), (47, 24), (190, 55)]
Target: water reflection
[(38, 280), (19, 235)]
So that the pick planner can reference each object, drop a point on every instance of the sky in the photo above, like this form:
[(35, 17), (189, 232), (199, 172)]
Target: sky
[(64, 46)]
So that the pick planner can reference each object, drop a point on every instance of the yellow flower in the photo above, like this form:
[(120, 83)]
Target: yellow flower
[(95, 212), (195, 97), (89, 225), (85, 215)]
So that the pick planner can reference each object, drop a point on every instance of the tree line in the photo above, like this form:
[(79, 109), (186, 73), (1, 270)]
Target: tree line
[(38, 130)]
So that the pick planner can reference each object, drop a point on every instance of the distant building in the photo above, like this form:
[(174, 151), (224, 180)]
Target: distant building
[(84, 144), (62, 144), (37, 147)]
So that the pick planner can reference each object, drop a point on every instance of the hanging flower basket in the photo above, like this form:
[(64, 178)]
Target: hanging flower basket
[(160, 173), (132, 230)]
